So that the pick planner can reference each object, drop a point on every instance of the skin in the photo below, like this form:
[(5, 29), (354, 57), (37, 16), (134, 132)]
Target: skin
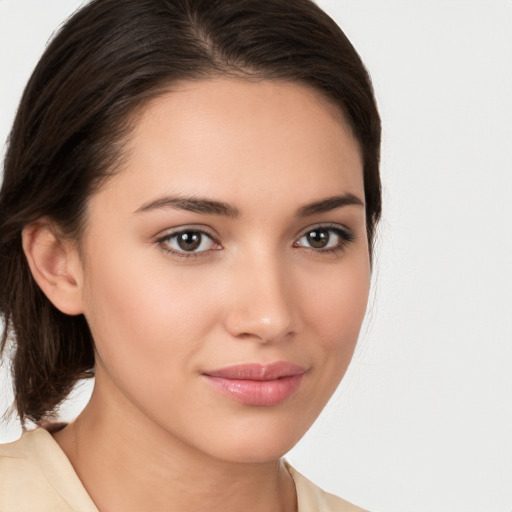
[(155, 431)]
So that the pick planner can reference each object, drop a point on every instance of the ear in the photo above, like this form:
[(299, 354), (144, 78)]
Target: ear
[(55, 266)]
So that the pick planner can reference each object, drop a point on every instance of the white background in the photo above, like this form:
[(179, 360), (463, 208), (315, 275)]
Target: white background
[(423, 419)]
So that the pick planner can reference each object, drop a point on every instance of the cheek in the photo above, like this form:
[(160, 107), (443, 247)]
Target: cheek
[(145, 315), (337, 306), (334, 312)]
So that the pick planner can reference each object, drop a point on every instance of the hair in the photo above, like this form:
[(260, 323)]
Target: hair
[(108, 60)]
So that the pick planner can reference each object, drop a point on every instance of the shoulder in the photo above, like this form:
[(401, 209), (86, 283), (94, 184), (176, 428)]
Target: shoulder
[(36, 475), (313, 499)]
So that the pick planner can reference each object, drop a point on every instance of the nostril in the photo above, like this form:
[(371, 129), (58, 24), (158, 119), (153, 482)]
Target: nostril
[(247, 324)]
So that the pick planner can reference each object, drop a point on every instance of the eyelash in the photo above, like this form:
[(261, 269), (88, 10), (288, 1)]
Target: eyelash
[(164, 241), (344, 234), (345, 238)]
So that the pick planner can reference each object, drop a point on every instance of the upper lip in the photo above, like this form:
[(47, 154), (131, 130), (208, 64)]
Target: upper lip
[(258, 372)]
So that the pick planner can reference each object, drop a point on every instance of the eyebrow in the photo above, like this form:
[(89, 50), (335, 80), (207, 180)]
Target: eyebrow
[(328, 204), (191, 204), (209, 206)]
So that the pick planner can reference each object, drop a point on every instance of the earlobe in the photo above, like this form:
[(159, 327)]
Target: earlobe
[(54, 266)]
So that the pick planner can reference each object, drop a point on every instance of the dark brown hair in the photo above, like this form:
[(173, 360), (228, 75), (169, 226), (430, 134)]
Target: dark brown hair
[(107, 61)]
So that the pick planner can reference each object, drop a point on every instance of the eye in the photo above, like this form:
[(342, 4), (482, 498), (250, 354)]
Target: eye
[(188, 241), (325, 238)]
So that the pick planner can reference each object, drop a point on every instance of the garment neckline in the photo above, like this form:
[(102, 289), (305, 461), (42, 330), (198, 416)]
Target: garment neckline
[(46, 453)]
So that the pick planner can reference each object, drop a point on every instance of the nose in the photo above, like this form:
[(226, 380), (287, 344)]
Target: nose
[(262, 305)]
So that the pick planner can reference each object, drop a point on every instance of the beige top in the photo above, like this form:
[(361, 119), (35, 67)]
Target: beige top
[(36, 475)]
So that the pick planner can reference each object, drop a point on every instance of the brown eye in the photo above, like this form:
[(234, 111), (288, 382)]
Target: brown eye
[(318, 238), (188, 241), (324, 239)]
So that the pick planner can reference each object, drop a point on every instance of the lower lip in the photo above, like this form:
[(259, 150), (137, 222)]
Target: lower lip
[(263, 393)]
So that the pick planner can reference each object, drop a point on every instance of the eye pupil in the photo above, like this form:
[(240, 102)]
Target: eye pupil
[(189, 240), (318, 238)]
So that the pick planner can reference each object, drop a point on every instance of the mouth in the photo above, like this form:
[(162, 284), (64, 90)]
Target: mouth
[(257, 384)]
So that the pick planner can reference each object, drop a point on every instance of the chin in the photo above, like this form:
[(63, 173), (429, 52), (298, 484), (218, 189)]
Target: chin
[(258, 444)]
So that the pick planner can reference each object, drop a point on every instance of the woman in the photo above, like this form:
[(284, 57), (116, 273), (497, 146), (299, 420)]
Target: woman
[(190, 196)]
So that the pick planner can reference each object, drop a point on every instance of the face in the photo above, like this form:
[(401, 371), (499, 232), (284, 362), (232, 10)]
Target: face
[(225, 267)]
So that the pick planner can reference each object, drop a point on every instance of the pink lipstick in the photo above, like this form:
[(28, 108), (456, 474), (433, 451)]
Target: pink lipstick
[(258, 384)]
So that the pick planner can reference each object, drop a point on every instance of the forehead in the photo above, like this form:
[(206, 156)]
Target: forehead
[(235, 137)]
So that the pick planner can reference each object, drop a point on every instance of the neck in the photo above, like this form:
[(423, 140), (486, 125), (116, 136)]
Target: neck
[(136, 466)]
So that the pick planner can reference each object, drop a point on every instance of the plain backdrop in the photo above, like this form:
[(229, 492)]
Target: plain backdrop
[(423, 419)]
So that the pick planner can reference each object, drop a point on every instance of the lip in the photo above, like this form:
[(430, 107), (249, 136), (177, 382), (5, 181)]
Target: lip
[(261, 385)]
